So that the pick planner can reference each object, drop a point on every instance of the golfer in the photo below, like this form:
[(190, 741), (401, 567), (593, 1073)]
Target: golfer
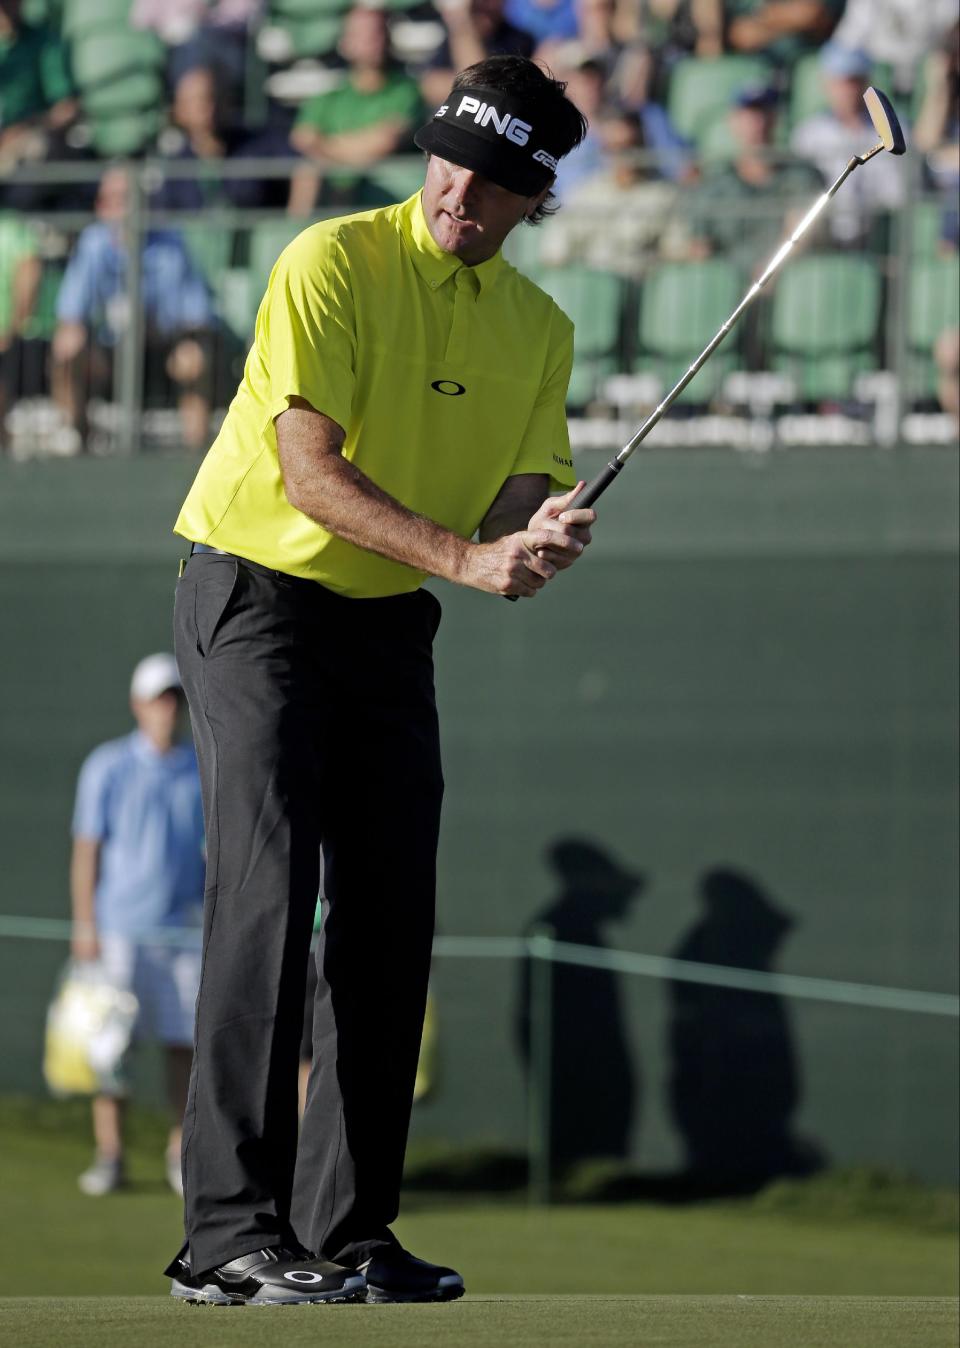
[(401, 416)]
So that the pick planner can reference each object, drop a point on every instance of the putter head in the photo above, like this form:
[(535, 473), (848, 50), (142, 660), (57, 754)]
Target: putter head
[(885, 121)]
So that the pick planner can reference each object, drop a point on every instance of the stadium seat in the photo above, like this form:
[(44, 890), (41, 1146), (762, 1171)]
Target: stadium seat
[(399, 178), (701, 89), (826, 311), (933, 305), (98, 58), (926, 219), (118, 137), (282, 10), (139, 89), (210, 249), (84, 16), (682, 304), (312, 34), (593, 300)]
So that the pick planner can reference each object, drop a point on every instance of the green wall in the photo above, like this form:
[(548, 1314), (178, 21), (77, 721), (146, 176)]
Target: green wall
[(754, 667)]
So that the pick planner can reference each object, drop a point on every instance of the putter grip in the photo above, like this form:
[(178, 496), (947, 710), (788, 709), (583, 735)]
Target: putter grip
[(587, 497)]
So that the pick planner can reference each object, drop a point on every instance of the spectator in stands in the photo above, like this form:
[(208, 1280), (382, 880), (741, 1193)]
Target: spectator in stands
[(544, 20), (937, 132), (614, 127), (782, 30), (93, 312), (946, 356), (828, 140), (37, 100), (370, 116), (898, 33), (201, 33), (20, 271), (199, 113), (476, 29), (137, 867), (738, 210), (620, 218)]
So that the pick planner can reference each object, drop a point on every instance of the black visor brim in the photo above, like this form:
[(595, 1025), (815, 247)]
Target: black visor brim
[(470, 151)]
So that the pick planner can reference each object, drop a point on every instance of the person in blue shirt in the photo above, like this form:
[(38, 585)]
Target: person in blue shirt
[(137, 870), (93, 314)]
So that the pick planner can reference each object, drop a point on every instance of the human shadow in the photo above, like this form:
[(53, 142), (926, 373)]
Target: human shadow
[(735, 1082), (593, 1081)]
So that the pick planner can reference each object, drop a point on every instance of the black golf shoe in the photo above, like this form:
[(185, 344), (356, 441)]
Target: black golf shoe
[(395, 1275), (271, 1277)]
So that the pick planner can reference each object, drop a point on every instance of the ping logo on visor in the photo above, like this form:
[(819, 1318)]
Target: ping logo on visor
[(485, 114), (488, 131)]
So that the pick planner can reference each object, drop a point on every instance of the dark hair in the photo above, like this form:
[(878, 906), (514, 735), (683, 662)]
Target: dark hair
[(541, 93)]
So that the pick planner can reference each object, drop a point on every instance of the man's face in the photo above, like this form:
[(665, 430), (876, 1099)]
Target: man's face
[(845, 96), (468, 215), (752, 125), (157, 716), (365, 38), (194, 101)]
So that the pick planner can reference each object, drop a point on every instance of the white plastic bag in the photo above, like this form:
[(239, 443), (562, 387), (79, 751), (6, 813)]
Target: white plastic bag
[(89, 1028)]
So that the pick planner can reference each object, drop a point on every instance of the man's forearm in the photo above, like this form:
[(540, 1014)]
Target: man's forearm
[(341, 498)]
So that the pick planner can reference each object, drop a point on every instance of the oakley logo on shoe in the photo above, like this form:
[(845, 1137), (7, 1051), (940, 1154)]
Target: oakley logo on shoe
[(301, 1275), (449, 387), (485, 113)]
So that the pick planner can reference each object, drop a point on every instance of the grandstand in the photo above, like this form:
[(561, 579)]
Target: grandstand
[(856, 344)]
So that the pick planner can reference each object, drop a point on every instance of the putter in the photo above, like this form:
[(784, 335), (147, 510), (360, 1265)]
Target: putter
[(891, 139)]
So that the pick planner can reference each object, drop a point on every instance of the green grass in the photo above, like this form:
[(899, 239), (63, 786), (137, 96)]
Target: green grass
[(768, 1272), (491, 1322)]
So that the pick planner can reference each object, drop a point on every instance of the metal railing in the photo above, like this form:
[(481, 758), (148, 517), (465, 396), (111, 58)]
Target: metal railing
[(543, 952), (756, 403)]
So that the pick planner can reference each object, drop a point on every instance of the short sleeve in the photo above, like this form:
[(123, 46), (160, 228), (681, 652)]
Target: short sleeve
[(545, 447), (315, 112), (90, 807), (307, 329)]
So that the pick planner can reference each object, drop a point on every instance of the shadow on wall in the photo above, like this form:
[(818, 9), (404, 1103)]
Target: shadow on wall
[(593, 1079), (735, 1084)]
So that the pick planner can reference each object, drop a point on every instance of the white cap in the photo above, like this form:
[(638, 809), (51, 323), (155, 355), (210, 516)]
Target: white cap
[(155, 674)]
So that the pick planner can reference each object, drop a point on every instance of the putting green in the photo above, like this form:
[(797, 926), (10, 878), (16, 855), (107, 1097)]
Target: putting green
[(490, 1322)]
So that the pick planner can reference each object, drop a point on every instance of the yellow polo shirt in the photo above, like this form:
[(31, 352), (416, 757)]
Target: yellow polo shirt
[(447, 379)]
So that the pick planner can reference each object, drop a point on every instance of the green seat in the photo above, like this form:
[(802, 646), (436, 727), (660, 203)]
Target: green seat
[(313, 35), (701, 90), (140, 89), (117, 137), (82, 16), (399, 178), (682, 304), (933, 306), (106, 57), (593, 301), (824, 324), (926, 219), (282, 10), (235, 302), (210, 249), (587, 378), (522, 249)]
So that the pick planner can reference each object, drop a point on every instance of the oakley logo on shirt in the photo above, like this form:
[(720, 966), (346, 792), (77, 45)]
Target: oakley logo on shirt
[(449, 387)]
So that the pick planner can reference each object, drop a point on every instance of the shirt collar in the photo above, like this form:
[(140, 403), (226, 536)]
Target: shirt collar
[(433, 264), (146, 750)]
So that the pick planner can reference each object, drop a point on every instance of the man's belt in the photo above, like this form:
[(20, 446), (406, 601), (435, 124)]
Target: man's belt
[(205, 547)]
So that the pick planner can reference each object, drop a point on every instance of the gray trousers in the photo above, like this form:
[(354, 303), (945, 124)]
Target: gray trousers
[(315, 724)]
